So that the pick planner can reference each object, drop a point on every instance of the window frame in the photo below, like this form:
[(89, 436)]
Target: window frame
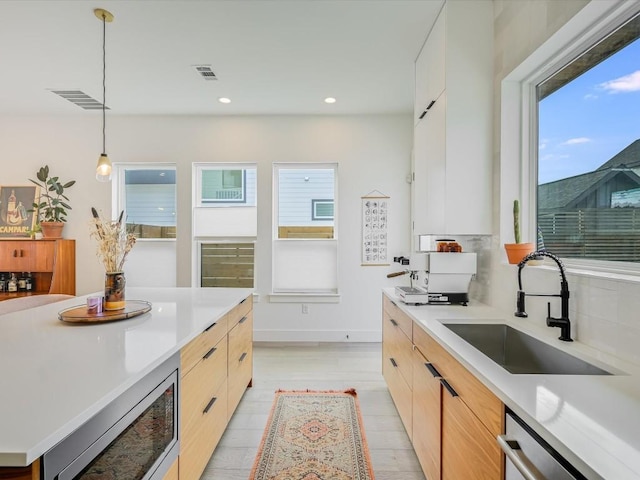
[(320, 201), (199, 167), (118, 190), (519, 132)]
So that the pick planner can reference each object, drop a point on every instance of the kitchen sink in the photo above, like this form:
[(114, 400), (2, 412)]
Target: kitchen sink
[(519, 353)]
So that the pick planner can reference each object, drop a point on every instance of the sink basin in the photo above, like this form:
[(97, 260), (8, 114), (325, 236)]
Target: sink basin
[(518, 352)]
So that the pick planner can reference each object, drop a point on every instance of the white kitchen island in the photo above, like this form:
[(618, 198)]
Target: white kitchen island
[(591, 420), (54, 376)]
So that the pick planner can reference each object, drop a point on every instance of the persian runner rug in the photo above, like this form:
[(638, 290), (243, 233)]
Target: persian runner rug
[(313, 435)]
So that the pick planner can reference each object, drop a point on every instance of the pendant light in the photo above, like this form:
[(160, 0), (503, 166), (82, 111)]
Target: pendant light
[(103, 169)]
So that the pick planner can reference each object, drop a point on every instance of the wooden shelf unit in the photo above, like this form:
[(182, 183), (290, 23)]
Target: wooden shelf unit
[(51, 262)]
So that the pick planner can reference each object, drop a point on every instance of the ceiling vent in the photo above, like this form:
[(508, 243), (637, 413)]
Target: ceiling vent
[(80, 99), (205, 72)]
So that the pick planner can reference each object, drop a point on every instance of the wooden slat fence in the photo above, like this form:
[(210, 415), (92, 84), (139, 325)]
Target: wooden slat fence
[(597, 233), (227, 265)]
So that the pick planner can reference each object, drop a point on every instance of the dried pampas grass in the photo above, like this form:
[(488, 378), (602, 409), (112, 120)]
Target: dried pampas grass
[(114, 243)]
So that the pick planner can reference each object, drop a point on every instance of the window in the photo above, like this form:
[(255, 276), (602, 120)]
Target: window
[(321, 209), (305, 248), (147, 194), (588, 186), (224, 224)]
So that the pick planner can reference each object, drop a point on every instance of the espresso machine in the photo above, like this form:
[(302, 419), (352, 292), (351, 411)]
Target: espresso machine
[(437, 277)]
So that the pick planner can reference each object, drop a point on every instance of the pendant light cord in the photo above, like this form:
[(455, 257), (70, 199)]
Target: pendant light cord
[(104, 82)]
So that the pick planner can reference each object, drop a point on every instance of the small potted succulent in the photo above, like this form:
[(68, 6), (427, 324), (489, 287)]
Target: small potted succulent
[(52, 206), (517, 251)]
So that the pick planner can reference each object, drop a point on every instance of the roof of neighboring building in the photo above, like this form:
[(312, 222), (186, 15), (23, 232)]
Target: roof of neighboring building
[(561, 193), (629, 157)]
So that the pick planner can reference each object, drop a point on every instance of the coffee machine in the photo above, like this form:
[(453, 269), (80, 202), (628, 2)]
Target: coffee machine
[(437, 277)]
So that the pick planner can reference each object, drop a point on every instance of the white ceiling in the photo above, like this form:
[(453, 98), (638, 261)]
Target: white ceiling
[(270, 56)]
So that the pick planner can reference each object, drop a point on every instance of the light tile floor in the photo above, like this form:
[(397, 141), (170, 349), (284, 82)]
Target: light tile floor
[(317, 367)]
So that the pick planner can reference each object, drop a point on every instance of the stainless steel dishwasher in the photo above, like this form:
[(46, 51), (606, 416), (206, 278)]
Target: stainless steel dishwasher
[(529, 457)]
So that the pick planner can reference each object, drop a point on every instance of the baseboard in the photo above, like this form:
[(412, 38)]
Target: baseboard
[(316, 336)]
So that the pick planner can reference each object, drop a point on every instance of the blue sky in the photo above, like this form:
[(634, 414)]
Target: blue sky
[(590, 120)]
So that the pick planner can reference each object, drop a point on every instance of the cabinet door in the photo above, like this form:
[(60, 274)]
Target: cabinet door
[(16, 256), (43, 256), (426, 416), (469, 451), (429, 167), (430, 68)]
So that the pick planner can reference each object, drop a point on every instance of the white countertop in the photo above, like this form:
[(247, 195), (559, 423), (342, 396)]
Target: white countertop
[(592, 420), (54, 376)]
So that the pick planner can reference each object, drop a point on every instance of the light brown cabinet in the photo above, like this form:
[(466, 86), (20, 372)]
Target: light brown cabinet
[(52, 264), (216, 369), (397, 364), (454, 418)]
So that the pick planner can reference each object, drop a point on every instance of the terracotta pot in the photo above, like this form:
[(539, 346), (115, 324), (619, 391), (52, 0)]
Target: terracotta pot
[(517, 251), (52, 229)]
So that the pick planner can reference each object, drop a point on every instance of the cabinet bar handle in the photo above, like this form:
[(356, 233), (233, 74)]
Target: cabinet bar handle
[(512, 450), (393, 362), (242, 320), (395, 324), (430, 105), (449, 388), (423, 114), (210, 326), (433, 370), (242, 301), (243, 356), (209, 405), (393, 303), (15, 253), (209, 353)]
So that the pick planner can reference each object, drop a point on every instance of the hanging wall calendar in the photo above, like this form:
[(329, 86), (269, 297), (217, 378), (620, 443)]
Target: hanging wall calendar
[(375, 221)]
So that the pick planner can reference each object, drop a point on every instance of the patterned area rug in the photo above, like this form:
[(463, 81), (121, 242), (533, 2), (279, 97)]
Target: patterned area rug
[(313, 435)]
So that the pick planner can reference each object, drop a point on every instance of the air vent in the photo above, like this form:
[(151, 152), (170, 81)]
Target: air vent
[(205, 72), (80, 99)]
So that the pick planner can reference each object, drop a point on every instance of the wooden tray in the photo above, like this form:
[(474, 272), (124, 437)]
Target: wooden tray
[(79, 314)]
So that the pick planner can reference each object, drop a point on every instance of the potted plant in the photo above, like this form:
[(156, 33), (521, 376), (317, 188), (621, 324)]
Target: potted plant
[(517, 251), (52, 205)]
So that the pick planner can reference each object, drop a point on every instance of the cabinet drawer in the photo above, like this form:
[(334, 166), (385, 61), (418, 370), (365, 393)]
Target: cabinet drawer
[(192, 353), (240, 361), (400, 392), (199, 385), (198, 443), (402, 319), (473, 393), (399, 347), (241, 310)]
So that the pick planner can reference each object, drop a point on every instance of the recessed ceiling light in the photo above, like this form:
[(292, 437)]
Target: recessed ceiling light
[(224, 100), (329, 100)]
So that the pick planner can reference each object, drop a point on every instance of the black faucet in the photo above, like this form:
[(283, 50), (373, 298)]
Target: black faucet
[(563, 322)]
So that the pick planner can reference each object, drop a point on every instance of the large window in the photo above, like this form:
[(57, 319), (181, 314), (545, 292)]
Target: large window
[(588, 190), (305, 235), (147, 194), (224, 223)]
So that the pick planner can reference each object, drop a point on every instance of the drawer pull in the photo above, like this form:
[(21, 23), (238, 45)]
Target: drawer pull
[(433, 370), (209, 405), (393, 322), (242, 320), (449, 388), (209, 353), (15, 253), (242, 301), (210, 326), (393, 362), (393, 303), (242, 357)]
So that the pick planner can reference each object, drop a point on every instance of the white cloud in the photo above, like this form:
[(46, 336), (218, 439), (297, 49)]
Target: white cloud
[(590, 96), (628, 83), (577, 141)]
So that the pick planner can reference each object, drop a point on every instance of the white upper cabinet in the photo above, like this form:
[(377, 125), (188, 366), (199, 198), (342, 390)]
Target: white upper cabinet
[(452, 160)]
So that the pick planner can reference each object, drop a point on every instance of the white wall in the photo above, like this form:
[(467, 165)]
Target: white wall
[(603, 308), (373, 153)]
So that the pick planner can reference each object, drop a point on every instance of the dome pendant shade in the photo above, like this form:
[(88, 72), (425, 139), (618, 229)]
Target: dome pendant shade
[(103, 170)]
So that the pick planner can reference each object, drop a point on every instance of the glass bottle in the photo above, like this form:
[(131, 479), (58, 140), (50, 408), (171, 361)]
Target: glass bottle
[(12, 284), (3, 283), (22, 282)]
